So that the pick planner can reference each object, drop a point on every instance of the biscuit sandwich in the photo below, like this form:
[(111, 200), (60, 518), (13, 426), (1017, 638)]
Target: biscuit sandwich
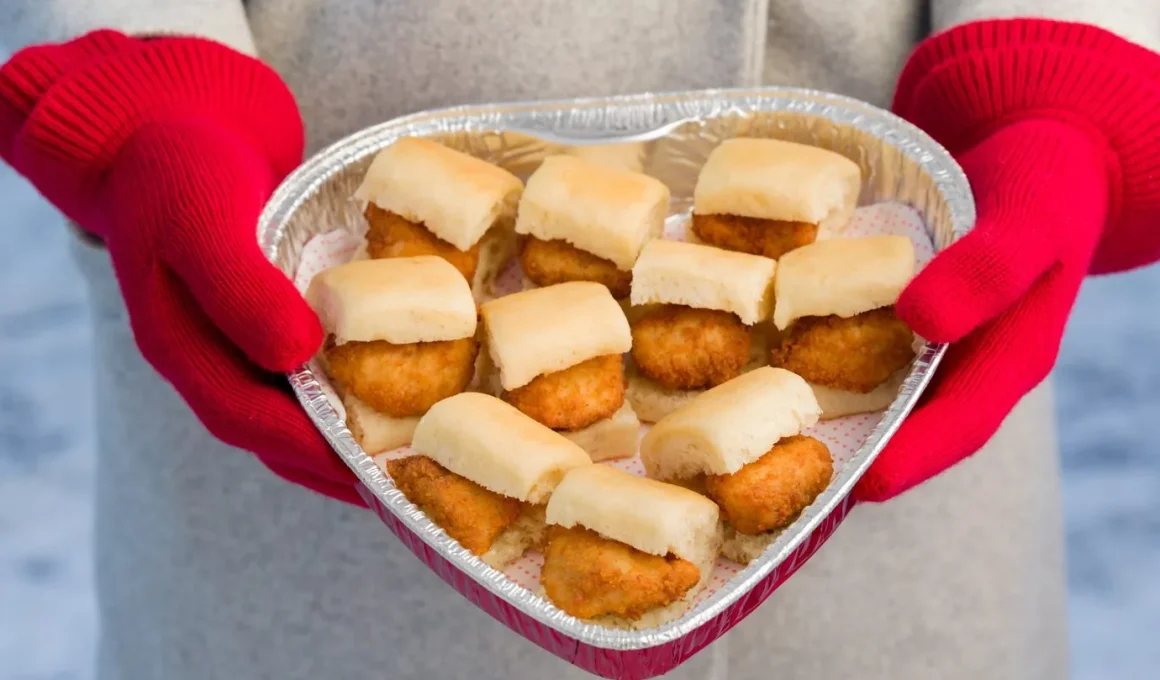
[(626, 551), (767, 196), (742, 444), (483, 472), (400, 337), (424, 198), (587, 221), (698, 320), (836, 323), (556, 354)]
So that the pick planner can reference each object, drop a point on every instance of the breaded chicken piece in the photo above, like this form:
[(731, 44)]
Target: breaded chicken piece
[(392, 235), (588, 575), (403, 380), (469, 513), (771, 491), (855, 354), (547, 263), (770, 238), (682, 348), (575, 397)]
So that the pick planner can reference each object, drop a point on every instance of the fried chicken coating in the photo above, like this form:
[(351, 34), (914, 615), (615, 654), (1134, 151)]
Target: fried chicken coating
[(855, 354), (771, 491), (756, 236), (682, 348), (575, 397), (588, 575), (547, 263), (469, 513), (392, 235), (403, 380)]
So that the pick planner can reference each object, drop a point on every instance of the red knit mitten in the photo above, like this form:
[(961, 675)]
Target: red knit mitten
[(167, 150), (1057, 126)]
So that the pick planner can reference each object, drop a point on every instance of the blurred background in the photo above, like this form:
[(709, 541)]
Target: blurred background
[(1108, 402)]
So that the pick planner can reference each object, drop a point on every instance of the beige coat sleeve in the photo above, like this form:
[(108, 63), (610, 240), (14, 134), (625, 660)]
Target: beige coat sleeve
[(28, 23), (1135, 20)]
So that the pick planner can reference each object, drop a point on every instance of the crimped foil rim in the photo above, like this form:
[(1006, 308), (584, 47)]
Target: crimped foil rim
[(660, 111)]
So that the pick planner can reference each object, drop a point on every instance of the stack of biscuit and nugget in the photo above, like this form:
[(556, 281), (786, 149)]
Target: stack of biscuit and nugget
[(483, 472), (768, 197), (742, 445), (627, 551), (424, 198), (556, 354), (697, 311), (835, 315), (587, 221), (400, 337)]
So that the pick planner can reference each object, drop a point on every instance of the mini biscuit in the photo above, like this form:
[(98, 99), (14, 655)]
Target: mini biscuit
[(778, 180), (680, 273), (729, 426), (604, 210), (455, 195), (842, 277), (491, 443), (401, 300), (548, 329)]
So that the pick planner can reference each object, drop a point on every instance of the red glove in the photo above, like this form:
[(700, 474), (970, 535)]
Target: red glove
[(1057, 126), (167, 150)]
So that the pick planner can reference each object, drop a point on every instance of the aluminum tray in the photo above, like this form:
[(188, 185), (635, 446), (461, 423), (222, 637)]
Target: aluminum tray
[(673, 134)]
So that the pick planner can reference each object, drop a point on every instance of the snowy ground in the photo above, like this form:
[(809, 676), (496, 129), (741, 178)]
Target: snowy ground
[(1109, 406)]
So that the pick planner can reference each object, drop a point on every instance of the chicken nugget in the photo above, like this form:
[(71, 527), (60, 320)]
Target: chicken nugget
[(771, 491), (682, 348), (392, 235), (403, 380), (575, 397), (469, 513), (855, 354), (753, 235), (547, 263), (588, 575)]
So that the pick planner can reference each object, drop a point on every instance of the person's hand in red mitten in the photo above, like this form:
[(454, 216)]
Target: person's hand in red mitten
[(1057, 126), (167, 150)]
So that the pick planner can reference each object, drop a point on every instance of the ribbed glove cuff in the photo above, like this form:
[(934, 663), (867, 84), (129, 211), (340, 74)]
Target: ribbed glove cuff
[(964, 84)]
